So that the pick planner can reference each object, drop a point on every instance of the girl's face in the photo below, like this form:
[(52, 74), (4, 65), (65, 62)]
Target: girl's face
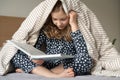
[(60, 19)]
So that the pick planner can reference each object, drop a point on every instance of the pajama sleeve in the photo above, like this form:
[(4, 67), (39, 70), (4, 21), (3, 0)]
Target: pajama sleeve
[(41, 40), (82, 58)]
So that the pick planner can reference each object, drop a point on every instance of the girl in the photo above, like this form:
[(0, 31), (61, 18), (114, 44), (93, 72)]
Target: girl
[(60, 34)]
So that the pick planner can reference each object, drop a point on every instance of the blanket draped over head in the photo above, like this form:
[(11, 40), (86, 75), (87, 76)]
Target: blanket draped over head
[(98, 44)]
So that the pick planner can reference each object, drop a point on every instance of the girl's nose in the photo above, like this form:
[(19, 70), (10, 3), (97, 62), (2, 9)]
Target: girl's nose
[(59, 23)]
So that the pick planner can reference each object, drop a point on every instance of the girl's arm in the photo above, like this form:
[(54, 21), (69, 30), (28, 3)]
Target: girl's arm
[(82, 54), (41, 40), (80, 45)]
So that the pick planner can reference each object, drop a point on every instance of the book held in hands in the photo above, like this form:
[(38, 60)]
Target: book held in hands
[(34, 53)]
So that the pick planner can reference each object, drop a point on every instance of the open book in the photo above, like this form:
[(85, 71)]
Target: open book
[(34, 53)]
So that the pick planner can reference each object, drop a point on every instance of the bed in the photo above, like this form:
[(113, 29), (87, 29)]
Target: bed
[(25, 76)]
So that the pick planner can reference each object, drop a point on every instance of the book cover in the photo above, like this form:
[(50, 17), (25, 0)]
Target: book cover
[(34, 53)]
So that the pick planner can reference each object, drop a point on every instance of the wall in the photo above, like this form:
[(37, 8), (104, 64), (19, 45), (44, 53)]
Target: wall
[(8, 26), (107, 11), (20, 8)]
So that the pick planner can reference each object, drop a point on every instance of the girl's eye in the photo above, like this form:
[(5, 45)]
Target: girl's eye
[(54, 19), (63, 19)]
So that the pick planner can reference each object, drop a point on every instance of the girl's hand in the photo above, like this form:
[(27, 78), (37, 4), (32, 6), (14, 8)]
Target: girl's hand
[(73, 20), (39, 62)]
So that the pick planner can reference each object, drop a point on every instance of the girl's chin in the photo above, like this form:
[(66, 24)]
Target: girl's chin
[(61, 28)]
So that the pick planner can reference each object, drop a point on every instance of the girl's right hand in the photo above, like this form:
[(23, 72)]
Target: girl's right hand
[(39, 62), (73, 20)]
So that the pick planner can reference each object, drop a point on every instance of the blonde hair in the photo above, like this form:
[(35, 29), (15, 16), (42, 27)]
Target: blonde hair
[(51, 30)]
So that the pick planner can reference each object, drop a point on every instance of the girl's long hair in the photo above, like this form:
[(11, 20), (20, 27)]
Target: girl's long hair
[(51, 30)]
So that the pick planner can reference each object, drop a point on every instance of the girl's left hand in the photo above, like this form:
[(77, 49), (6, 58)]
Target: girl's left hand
[(39, 62), (73, 20)]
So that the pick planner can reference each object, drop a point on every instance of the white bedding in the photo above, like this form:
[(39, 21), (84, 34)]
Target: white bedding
[(24, 76)]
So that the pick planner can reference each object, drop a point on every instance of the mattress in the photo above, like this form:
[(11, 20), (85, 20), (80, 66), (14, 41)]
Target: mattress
[(25, 76)]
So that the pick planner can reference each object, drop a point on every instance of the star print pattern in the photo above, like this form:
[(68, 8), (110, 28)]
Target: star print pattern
[(82, 63)]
